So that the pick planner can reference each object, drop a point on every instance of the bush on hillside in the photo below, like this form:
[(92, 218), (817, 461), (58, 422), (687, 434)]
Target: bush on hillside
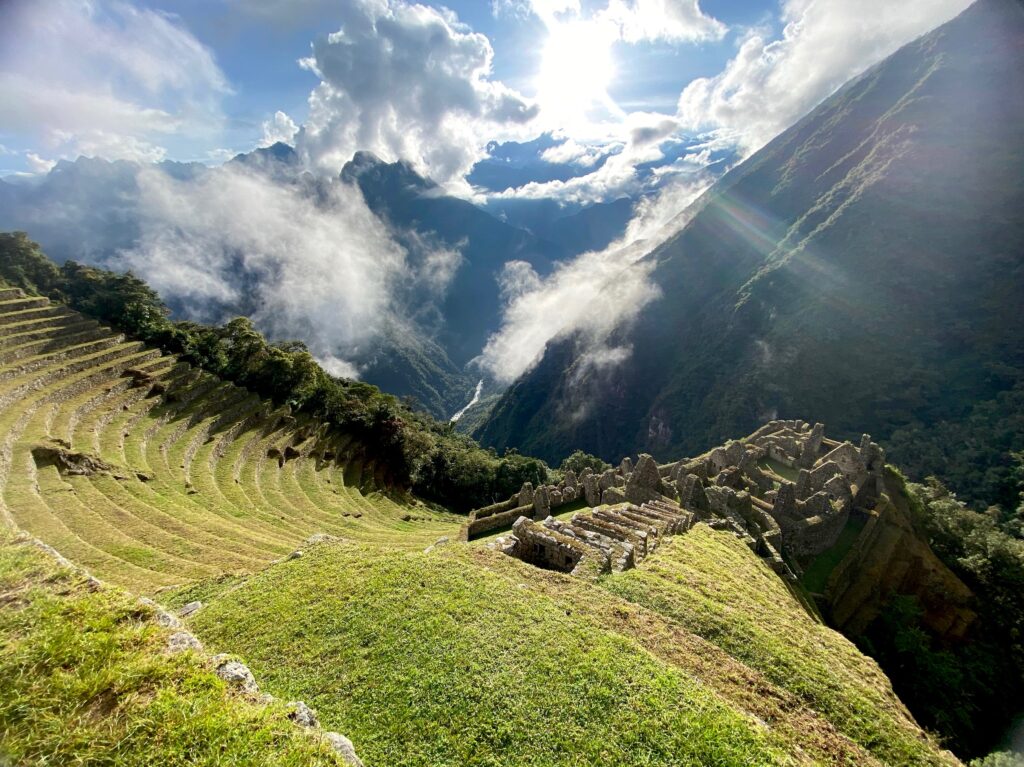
[(578, 461)]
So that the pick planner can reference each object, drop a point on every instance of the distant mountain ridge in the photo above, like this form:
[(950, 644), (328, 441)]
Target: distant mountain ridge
[(859, 269), (89, 210)]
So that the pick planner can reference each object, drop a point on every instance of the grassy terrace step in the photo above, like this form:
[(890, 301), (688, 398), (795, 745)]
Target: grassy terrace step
[(19, 315), (195, 493), (84, 679), (14, 335), (466, 657)]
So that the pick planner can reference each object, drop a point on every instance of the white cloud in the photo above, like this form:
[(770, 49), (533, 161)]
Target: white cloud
[(37, 164), (324, 273), (770, 84), (665, 20), (406, 81), (575, 153), (280, 128), (547, 10), (591, 295), (638, 139), (104, 76)]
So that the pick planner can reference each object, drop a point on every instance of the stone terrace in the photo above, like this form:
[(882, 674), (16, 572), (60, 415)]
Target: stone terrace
[(737, 487)]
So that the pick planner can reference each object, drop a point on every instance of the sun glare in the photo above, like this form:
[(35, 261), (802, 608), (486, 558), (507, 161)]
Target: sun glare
[(576, 69)]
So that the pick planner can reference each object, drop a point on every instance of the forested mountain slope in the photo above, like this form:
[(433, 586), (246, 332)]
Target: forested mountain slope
[(858, 270)]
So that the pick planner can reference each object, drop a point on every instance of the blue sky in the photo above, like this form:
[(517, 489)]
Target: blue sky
[(623, 83)]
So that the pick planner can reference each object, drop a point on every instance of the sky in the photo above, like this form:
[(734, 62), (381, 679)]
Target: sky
[(436, 84), (566, 101)]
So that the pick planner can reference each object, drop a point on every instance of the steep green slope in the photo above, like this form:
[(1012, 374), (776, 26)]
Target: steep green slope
[(710, 584), (149, 472), (462, 656), (860, 270), (85, 679)]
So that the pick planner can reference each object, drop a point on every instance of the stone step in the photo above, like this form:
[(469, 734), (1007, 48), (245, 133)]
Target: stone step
[(36, 312)]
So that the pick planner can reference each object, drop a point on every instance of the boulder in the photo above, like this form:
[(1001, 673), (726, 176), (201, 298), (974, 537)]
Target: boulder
[(542, 503), (302, 714), (570, 478), (607, 479), (591, 490), (644, 484), (235, 673), (180, 641), (344, 748), (190, 608), (525, 494)]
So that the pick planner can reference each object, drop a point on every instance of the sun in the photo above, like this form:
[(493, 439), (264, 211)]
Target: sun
[(576, 69)]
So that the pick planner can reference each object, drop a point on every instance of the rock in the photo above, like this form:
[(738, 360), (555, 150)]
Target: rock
[(180, 641), (607, 479), (570, 478), (444, 540), (612, 495), (556, 498), (294, 555), (235, 673), (644, 483), (321, 538), (525, 494), (160, 615), (344, 748), (626, 467), (542, 503), (69, 463), (591, 490), (190, 608), (302, 714)]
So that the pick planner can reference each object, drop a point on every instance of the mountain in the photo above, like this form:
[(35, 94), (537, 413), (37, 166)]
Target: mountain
[(859, 269), (89, 210), (417, 208)]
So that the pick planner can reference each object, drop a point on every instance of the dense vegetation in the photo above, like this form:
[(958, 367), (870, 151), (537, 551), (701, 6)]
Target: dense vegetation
[(970, 691), (420, 452)]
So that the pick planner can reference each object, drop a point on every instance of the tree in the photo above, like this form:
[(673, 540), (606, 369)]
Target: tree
[(578, 461)]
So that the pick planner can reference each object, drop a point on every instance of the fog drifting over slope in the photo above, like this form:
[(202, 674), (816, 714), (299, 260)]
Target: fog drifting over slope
[(321, 268), (591, 294)]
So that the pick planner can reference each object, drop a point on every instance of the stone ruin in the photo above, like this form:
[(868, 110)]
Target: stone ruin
[(738, 487)]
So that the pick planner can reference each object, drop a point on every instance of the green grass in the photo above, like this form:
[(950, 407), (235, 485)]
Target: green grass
[(84, 680), (437, 660), (710, 583), (467, 657)]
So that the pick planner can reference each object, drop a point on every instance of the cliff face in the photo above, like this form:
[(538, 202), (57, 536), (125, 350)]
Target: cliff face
[(890, 558)]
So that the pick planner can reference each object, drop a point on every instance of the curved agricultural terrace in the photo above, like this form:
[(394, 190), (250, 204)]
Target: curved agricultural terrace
[(150, 473)]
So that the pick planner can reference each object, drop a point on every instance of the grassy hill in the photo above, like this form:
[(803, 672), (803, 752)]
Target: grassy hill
[(164, 479), (462, 656)]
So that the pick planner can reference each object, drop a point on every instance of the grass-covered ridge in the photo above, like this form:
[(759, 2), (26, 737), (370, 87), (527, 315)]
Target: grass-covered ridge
[(462, 656), (710, 584), (85, 680)]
